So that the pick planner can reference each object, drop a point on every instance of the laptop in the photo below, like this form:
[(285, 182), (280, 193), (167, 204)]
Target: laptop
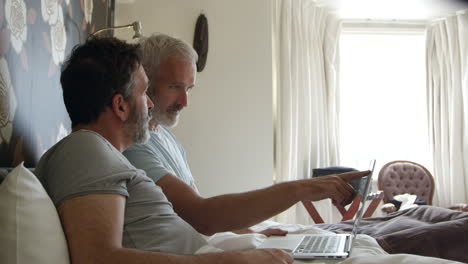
[(322, 246)]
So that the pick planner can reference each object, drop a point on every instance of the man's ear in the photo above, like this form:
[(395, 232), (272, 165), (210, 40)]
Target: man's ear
[(120, 107)]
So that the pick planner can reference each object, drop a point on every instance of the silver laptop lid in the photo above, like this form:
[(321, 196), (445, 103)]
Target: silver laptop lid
[(364, 188)]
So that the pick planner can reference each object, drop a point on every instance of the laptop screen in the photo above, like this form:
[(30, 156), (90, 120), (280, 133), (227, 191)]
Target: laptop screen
[(363, 190)]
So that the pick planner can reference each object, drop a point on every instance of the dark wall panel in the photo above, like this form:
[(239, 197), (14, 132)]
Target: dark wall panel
[(36, 36)]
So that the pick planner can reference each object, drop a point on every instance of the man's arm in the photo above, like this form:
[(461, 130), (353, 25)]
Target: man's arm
[(93, 226), (241, 210)]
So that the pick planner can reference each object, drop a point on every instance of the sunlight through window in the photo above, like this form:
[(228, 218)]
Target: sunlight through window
[(383, 112)]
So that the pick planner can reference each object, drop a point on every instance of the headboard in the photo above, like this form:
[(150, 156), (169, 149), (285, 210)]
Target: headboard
[(37, 36)]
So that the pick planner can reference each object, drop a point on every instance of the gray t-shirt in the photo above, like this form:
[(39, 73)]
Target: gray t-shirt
[(86, 163), (162, 154)]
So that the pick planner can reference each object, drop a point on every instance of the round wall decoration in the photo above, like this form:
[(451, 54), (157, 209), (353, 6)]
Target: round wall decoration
[(200, 41)]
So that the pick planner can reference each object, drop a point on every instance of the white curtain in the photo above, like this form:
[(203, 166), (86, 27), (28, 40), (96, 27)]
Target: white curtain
[(305, 45), (447, 87)]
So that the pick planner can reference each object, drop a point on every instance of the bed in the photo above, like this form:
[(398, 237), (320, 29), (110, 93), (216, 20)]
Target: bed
[(43, 241), (366, 249)]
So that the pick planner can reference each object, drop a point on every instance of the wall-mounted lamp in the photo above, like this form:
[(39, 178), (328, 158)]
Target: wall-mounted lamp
[(136, 26)]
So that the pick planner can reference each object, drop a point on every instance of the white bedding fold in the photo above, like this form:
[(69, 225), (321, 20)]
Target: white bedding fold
[(366, 249)]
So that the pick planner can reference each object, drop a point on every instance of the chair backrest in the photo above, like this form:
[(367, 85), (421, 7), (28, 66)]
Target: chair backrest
[(400, 176)]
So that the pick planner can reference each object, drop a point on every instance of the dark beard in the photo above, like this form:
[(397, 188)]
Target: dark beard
[(136, 125)]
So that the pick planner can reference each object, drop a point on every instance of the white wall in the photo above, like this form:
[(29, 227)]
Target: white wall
[(227, 129)]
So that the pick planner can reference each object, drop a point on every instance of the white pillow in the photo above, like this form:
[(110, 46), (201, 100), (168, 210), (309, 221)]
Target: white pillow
[(30, 229)]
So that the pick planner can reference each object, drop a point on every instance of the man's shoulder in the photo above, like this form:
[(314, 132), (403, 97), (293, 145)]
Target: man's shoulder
[(83, 145), (88, 142), (83, 163), (86, 137)]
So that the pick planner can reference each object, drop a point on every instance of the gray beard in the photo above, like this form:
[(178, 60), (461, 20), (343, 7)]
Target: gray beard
[(162, 118)]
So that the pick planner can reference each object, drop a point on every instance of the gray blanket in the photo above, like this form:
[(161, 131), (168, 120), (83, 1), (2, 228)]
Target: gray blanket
[(424, 230)]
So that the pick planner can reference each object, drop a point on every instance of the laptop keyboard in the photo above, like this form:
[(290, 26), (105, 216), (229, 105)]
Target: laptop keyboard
[(318, 244)]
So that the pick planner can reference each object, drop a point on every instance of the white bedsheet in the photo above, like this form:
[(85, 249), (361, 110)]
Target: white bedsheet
[(366, 249)]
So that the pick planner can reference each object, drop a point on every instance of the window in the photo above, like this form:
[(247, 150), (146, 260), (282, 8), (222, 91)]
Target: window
[(382, 99)]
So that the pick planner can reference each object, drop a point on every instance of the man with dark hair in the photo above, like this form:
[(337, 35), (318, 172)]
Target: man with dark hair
[(110, 211), (84, 102)]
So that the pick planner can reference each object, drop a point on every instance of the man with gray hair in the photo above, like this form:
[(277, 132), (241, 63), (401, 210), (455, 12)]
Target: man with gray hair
[(170, 64)]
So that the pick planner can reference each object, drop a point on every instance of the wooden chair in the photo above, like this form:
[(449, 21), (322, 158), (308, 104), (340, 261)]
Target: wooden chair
[(350, 212)]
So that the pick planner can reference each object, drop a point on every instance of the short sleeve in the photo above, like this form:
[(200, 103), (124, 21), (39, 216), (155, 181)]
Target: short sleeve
[(84, 163), (144, 158)]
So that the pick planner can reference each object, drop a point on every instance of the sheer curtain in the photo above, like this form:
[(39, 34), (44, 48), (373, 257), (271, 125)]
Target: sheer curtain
[(447, 85), (305, 45)]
